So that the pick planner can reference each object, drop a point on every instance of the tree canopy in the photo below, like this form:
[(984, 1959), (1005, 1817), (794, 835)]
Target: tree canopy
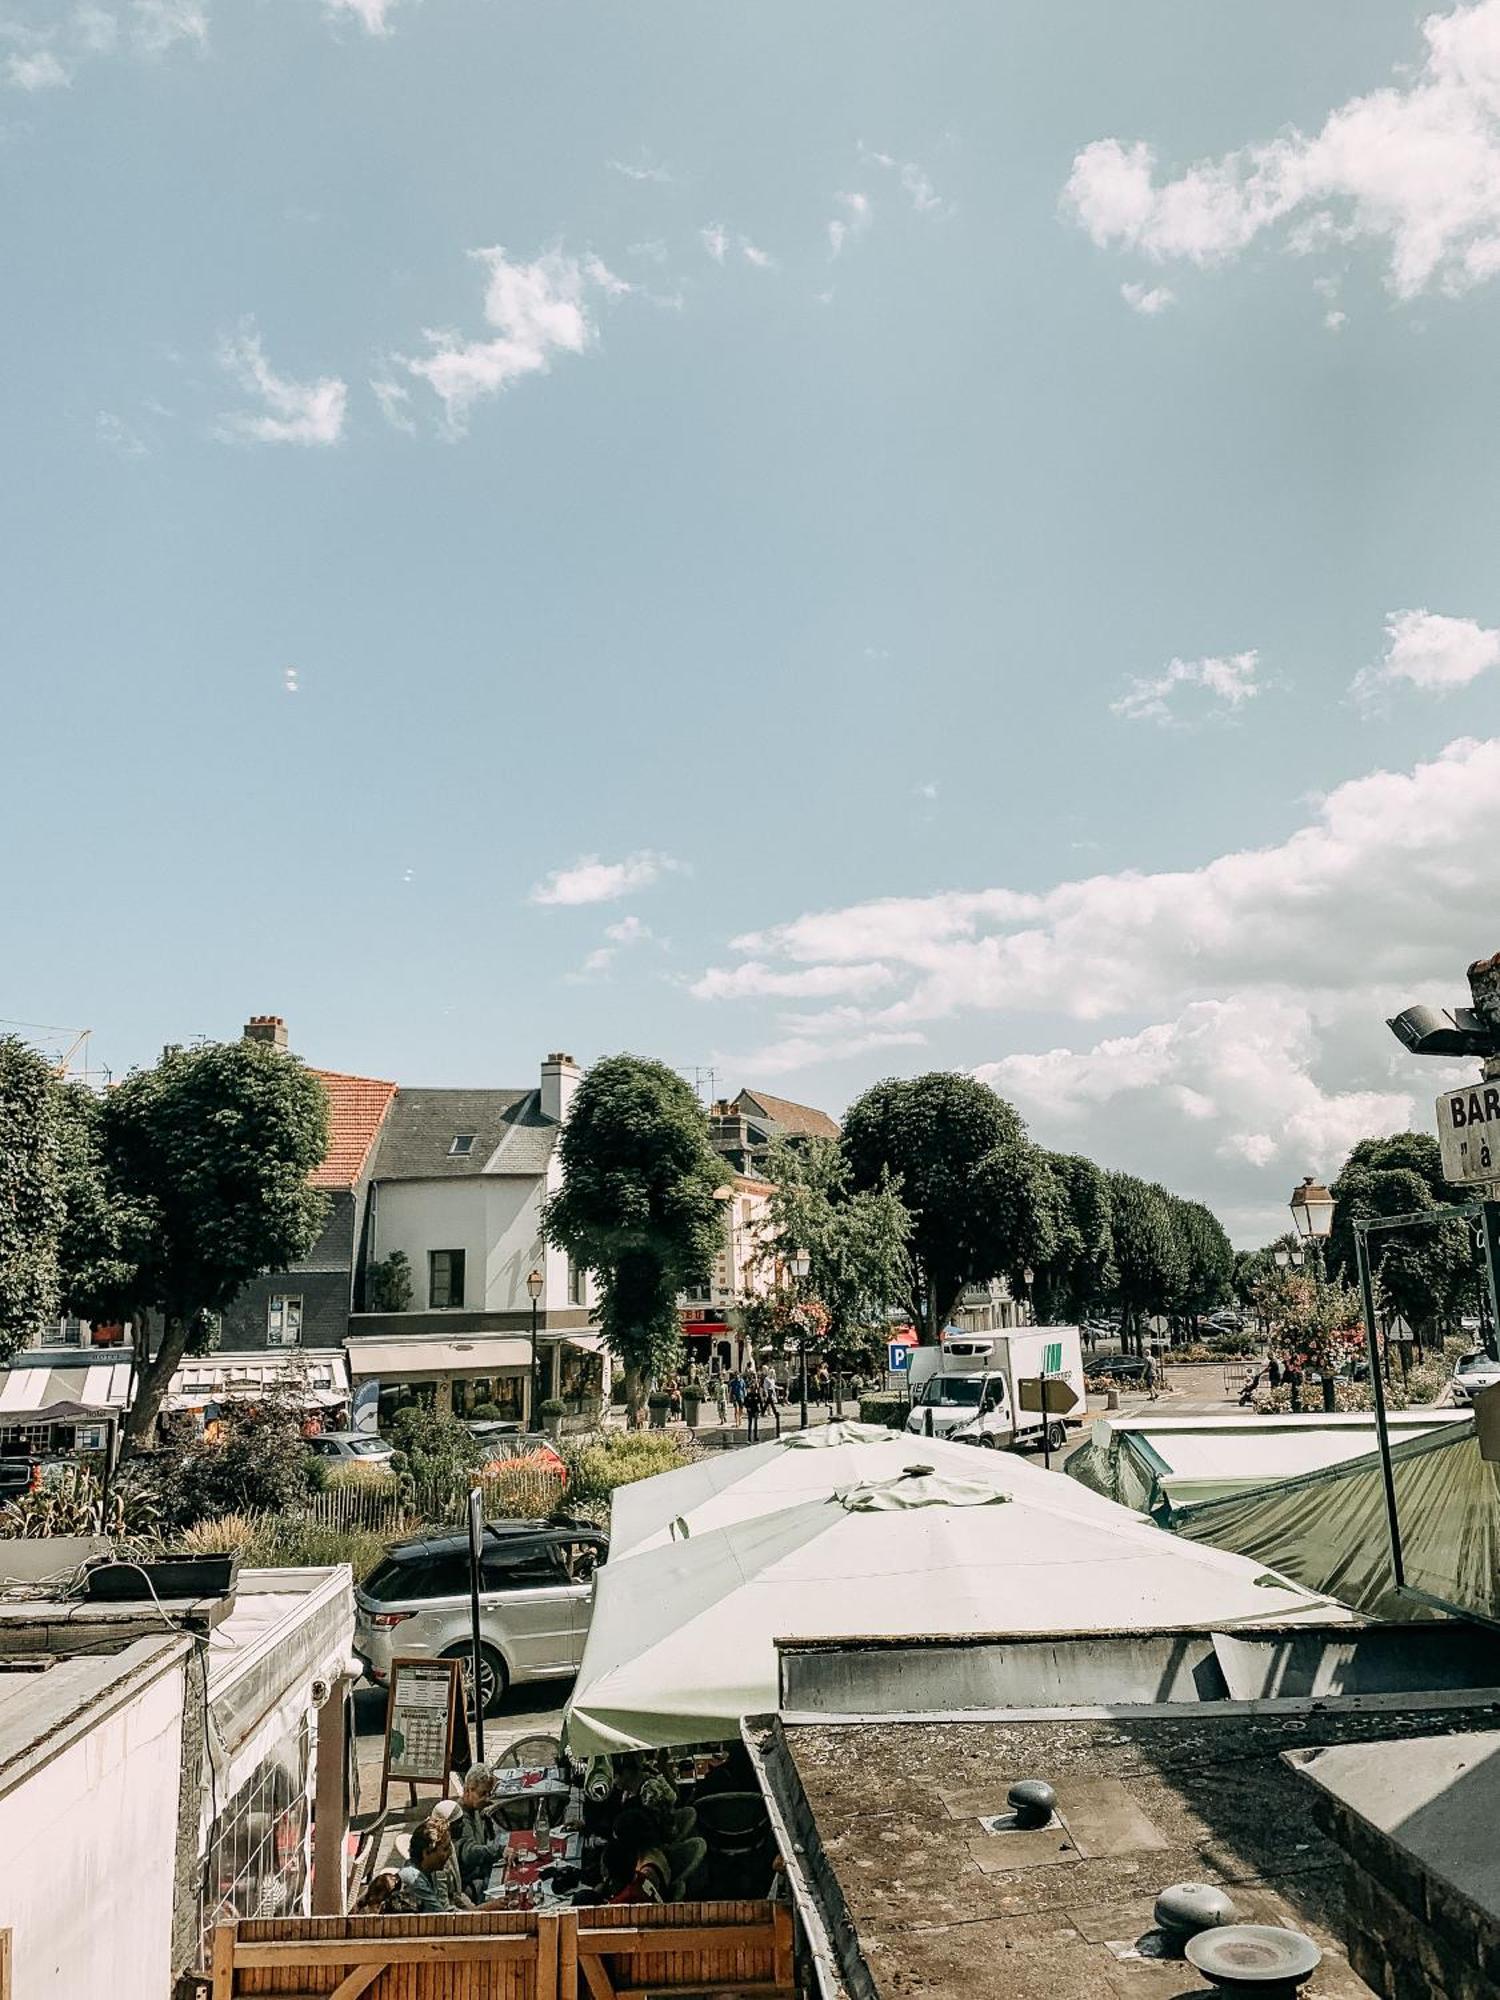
[(1427, 1272), (30, 1197), (636, 1206), (1150, 1262)]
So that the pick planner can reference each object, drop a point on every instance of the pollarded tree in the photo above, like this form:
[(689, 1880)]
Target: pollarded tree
[(967, 1175), (1077, 1278), (30, 1197), (1426, 1273), (1208, 1259), (211, 1149), (1150, 1264), (636, 1206)]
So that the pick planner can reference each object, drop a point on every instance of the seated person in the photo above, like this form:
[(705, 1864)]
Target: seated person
[(385, 1896), (431, 1879), (477, 1842)]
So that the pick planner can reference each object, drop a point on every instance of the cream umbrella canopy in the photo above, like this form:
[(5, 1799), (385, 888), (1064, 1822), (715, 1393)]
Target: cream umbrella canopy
[(728, 1486), (683, 1639)]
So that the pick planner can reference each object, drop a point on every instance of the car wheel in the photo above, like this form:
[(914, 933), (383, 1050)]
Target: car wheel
[(1057, 1436), (494, 1678), (988, 1442)]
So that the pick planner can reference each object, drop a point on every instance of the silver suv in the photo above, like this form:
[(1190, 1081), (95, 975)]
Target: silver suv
[(536, 1597)]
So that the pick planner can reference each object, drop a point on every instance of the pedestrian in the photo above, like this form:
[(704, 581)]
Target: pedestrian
[(752, 1410), (737, 1394), (1149, 1377), (721, 1398), (773, 1396), (1273, 1372), (674, 1397)]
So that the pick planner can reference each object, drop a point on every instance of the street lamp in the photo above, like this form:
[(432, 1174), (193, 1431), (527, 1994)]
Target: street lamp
[(799, 1264), (534, 1284), (1285, 1257), (1028, 1279)]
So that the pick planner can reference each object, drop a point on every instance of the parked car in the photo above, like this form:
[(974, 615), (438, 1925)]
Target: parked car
[(352, 1448), (536, 1598), (501, 1442), (1474, 1372), (23, 1472), (1114, 1368)]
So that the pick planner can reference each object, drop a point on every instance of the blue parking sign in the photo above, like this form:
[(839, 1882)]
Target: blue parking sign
[(898, 1357)]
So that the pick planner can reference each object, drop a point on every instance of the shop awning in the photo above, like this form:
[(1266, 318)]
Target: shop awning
[(586, 1343), (318, 1379), (396, 1360), (27, 1387)]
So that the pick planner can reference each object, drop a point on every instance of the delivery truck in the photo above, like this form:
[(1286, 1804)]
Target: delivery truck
[(969, 1388)]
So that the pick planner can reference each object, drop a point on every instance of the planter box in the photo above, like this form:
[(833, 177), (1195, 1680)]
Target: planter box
[(167, 1576)]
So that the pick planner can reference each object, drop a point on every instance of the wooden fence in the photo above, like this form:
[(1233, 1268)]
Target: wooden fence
[(521, 1491), (613, 1952)]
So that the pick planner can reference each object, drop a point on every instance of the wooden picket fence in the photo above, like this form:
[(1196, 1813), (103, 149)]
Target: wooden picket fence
[(518, 1490), (613, 1952)]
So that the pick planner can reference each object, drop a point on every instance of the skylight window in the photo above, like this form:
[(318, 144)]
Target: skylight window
[(463, 1142)]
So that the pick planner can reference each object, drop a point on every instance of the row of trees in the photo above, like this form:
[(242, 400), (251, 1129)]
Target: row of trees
[(157, 1202), (933, 1187)]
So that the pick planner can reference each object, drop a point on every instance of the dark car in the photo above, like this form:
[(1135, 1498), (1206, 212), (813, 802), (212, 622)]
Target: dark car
[(1114, 1368)]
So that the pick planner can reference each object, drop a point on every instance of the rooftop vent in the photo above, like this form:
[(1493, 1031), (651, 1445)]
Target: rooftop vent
[(1261, 1959)]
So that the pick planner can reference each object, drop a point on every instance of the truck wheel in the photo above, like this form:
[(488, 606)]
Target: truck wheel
[(989, 1443), (1057, 1436)]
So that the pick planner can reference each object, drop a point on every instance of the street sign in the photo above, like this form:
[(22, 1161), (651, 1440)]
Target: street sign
[(1398, 1329), (421, 1719), (1052, 1394), (898, 1357), (1468, 1125)]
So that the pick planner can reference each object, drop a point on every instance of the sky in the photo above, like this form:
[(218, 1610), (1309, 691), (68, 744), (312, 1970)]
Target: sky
[(812, 542)]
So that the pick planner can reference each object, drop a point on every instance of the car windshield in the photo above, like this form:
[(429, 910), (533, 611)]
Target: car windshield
[(368, 1447), (1473, 1363), (955, 1391)]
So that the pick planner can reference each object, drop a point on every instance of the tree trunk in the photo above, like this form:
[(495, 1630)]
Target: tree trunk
[(140, 1420), (635, 1395)]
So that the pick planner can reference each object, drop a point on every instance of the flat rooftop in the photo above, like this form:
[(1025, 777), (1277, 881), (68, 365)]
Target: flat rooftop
[(939, 1905)]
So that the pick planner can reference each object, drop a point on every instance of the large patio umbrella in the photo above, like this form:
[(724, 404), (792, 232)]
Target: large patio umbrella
[(682, 1642), (728, 1486)]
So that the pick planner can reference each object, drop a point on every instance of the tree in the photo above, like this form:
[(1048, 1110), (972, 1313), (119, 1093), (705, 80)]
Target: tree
[(211, 1150), (31, 1210), (257, 1463), (1208, 1259), (1078, 1276), (636, 1206), (855, 1239), (390, 1288), (1150, 1264), (105, 1227), (1427, 1273), (970, 1180)]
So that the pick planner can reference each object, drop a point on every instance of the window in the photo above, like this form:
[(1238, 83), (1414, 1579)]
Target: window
[(463, 1143), (445, 1279), (578, 1281), (284, 1320), (534, 1566)]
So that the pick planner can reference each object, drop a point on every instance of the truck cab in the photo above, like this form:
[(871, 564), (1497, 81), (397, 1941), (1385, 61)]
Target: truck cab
[(960, 1389)]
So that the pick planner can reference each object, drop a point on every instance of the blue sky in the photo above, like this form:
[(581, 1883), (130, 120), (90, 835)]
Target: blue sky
[(809, 541)]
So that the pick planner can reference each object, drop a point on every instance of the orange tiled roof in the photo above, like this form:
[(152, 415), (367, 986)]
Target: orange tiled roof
[(801, 1120), (356, 1106)]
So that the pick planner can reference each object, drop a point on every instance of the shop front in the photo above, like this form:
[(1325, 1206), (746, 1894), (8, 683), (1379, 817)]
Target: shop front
[(483, 1377)]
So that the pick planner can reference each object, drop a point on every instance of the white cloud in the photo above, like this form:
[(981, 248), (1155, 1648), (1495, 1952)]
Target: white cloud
[(644, 170), (1335, 320), (853, 223), (291, 680), (37, 69), (371, 14), (159, 25), (629, 931), (1229, 681), (294, 413), (1147, 300), (816, 982), (715, 240), (927, 791), (394, 400), (538, 311), (761, 259), (1413, 166), (591, 880), (915, 181), (1426, 650), (116, 435), (792, 1052), (95, 29), (1245, 998)]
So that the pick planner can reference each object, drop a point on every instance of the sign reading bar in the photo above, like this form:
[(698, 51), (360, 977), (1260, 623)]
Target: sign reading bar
[(1468, 1124), (1051, 1394), (420, 1719)]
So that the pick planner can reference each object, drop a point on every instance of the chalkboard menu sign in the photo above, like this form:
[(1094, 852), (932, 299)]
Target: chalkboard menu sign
[(420, 1719)]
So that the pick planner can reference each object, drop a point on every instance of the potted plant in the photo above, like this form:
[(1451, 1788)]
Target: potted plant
[(658, 1403), (692, 1401), (552, 1413)]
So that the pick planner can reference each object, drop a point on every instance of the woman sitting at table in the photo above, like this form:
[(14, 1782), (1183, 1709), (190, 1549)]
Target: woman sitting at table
[(427, 1879)]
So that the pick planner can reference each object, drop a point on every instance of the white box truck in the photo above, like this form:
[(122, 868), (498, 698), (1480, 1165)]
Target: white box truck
[(969, 1388)]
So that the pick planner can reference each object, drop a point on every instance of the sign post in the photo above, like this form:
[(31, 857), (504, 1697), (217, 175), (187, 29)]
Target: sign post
[(476, 1549), (1053, 1396)]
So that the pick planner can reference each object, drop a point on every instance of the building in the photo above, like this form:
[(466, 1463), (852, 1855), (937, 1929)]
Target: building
[(744, 1128), (162, 1767), (713, 1318), (457, 1182)]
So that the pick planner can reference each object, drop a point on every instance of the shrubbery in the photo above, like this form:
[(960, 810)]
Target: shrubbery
[(885, 1407), (272, 1541), (597, 1465)]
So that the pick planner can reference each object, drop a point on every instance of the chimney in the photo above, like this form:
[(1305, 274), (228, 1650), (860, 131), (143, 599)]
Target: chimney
[(266, 1028), (561, 1076)]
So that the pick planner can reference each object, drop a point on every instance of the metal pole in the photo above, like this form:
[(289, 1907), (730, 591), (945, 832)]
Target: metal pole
[(476, 1541), (535, 1398), (1046, 1440), (1489, 1245), (1382, 1430), (802, 1353)]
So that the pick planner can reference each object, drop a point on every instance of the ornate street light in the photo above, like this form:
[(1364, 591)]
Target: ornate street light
[(534, 1284), (799, 1264), (1312, 1209)]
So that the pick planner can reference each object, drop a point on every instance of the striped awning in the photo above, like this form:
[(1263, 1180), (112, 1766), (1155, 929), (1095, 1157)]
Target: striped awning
[(316, 1379), (102, 1384)]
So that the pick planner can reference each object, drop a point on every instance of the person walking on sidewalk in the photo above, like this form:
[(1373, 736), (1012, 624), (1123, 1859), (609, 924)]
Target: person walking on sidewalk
[(752, 1409), (772, 1395), (1149, 1377), (721, 1398)]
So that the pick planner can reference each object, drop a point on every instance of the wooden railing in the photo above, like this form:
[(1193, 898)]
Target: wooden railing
[(613, 1952)]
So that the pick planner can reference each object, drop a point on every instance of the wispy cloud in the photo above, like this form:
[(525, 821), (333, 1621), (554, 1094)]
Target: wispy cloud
[(715, 239), (309, 413), (644, 169), (1149, 300), (372, 15), (538, 311), (752, 254), (394, 400), (1413, 167), (116, 435), (618, 938), (851, 223), (913, 177), (159, 25), (1229, 682), (291, 680), (1426, 650), (37, 69), (756, 980), (593, 880)]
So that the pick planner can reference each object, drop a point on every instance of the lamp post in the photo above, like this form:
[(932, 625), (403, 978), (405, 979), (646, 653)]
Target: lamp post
[(1028, 1279), (1312, 1209), (799, 1264), (534, 1284), (724, 1196)]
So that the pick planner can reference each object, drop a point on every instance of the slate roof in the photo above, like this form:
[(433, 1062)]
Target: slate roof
[(510, 1135), (803, 1121), (356, 1107)]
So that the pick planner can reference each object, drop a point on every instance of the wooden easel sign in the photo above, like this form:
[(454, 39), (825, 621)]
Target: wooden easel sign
[(421, 1717)]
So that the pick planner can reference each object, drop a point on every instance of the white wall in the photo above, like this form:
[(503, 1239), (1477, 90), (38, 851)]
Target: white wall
[(495, 1219), (87, 1849)]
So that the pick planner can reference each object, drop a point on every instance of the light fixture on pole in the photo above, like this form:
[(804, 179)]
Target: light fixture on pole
[(1028, 1279), (799, 1264), (534, 1284)]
